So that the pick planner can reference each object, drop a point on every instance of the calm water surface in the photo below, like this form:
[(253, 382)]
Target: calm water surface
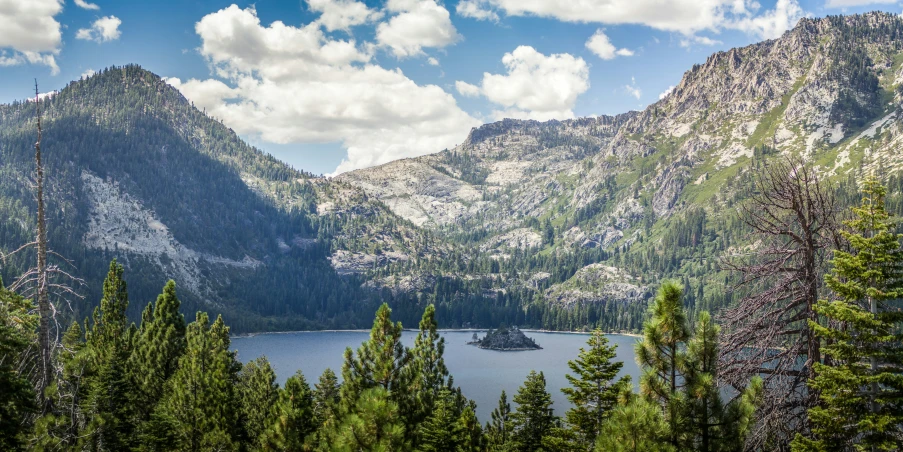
[(481, 374)]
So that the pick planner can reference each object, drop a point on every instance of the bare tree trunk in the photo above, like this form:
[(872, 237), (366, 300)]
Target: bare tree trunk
[(45, 342), (793, 215)]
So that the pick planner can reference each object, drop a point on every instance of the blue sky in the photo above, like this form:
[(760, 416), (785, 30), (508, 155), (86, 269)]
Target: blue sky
[(330, 85)]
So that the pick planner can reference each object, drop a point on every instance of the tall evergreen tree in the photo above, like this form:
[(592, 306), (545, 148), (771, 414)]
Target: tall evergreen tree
[(200, 397), (472, 433), (498, 432), (711, 425), (861, 387), (326, 398), (441, 431), (159, 344), (258, 394), (294, 417), (635, 426), (661, 354), (109, 407), (533, 419), (428, 374), (380, 362), (373, 424), (594, 390)]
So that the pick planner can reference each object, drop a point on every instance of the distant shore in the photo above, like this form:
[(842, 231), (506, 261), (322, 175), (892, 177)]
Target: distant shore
[(441, 330)]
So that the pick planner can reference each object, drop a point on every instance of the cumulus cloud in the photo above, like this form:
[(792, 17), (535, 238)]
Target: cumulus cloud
[(287, 84), (536, 86), (89, 72), (599, 44), (476, 9), (684, 16), (342, 14), (415, 25), (85, 5), (665, 93), (701, 40), (632, 89), (102, 30), (29, 33), (432, 61), (466, 89)]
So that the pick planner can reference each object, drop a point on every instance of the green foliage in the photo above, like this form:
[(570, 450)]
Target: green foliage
[(860, 385), (17, 398), (258, 394), (498, 432), (373, 424), (637, 426), (661, 354), (594, 390), (533, 419), (201, 397), (442, 431), (295, 420)]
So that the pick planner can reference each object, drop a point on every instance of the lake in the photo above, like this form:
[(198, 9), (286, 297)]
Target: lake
[(481, 374)]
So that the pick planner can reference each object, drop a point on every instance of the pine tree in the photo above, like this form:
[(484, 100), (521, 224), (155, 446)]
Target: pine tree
[(594, 391), (661, 355), (533, 419), (710, 424), (294, 417), (326, 398), (109, 407), (635, 426), (861, 386), (498, 432), (17, 398), (428, 374), (159, 344), (380, 362), (372, 424), (472, 433), (257, 394), (200, 397), (441, 431)]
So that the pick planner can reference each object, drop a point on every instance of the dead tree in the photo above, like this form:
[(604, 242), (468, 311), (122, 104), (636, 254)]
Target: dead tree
[(41, 281), (793, 215)]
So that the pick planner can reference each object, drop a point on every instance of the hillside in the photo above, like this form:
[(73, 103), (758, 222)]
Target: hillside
[(621, 203), (558, 224)]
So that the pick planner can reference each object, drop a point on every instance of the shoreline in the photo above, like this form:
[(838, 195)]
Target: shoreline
[(441, 330)]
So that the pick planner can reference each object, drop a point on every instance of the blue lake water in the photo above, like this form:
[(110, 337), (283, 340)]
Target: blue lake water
[(481, 374)]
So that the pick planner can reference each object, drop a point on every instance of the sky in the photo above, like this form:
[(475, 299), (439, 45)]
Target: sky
[(330, 86)]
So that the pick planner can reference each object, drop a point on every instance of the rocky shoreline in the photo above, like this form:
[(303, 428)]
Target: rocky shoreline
[(506, 340)]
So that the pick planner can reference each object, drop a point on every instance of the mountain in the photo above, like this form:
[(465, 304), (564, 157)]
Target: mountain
[(624, 202), (558, 224)]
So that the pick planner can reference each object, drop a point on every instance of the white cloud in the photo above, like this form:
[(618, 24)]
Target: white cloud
[(701, 40), (599, 44), (476, 9), (87, 73), (773, 23), (286, 84), (684, 16), (432, 61), (849, 3), (536, 86), (102, 30), (417, 24), (466, 89), (29, 33), (342, 14), (85, 5), (665, 93), (632, 89)]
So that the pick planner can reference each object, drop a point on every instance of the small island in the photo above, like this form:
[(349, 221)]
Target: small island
[(505, 339)]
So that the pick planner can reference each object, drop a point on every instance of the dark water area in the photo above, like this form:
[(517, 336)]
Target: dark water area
[(481, 374)]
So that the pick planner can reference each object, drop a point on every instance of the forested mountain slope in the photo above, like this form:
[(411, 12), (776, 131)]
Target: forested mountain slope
[(559, 224)]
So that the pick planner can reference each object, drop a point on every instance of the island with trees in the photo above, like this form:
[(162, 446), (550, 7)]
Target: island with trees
[(505, 339)]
